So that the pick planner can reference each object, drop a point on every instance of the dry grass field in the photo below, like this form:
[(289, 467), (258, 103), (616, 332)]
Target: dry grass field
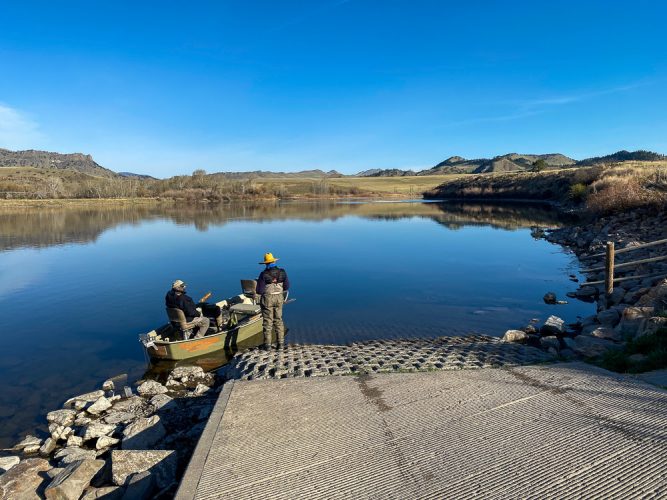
[(412, 186)]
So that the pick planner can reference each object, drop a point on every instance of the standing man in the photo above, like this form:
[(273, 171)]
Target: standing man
[(271, 284), (177, 298)]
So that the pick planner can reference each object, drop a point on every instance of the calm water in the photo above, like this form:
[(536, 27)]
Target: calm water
[(78, 285)]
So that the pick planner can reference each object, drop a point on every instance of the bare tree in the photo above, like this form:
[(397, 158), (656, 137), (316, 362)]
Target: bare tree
[(53, 187)]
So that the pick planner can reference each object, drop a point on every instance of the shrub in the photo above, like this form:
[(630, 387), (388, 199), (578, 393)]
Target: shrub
[(539, 165), (652, 346), (578, 192), (587, 175), (613, 194)]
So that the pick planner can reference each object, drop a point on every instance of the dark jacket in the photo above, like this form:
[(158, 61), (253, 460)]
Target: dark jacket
[(272, 275), (183, 302)]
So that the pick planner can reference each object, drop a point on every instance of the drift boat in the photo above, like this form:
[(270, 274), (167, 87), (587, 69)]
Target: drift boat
[(242, 320)]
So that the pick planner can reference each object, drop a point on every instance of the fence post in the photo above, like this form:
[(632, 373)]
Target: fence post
[(609, 272)]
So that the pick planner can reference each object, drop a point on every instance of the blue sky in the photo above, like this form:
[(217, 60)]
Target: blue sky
[(167, 87)]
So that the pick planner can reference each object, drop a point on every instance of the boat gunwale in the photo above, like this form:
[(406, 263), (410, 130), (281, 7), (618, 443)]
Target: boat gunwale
[(253, 320)]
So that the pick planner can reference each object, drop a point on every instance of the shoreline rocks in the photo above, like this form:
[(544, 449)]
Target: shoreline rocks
[(148, 436), (636, 307)]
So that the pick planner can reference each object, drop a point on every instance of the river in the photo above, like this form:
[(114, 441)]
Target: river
[(79, 284)]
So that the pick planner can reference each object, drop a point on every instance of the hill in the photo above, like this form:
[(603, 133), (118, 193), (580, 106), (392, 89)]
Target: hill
[(132, 175), (45, 159), (511, 162), (623, 155)]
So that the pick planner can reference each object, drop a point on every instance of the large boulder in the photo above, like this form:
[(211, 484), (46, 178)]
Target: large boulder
[(73, 480), (81, 401), (617, 296), (553, 326), (652, 325), (550, 298), (48, 447), (7, 463), (61, 417), (71, 454), (160, 463), (140, 485), (591, 347), (25, 481), (160, 400), (181, 372), (96, 430), (101, 405), (151, 388), (106, 493), (515, 336), (136, 405), (143, 433), (633, 320), (200, 390), (656, 297), (550, 342), (190, 377), (74, 441), (604, 332), (28, 442), (106, 442), (120, 417), (609, 317)]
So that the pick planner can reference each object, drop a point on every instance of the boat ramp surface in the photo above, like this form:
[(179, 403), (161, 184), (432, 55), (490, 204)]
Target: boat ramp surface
[(544, 431)]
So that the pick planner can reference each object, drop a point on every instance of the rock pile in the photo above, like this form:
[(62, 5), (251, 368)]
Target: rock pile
[(102, 444), (635, 308)]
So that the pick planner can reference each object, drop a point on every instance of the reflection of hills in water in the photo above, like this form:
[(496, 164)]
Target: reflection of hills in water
[(43, 227)]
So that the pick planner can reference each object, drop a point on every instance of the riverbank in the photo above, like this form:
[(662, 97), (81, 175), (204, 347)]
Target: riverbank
[(596, 190), (629, 331)]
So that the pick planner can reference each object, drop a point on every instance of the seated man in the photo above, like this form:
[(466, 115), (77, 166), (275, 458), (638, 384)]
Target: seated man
[(177, 298)]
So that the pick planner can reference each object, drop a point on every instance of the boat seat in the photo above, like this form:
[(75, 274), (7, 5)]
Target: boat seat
[(245, 309), (249, 288), (178, 320)]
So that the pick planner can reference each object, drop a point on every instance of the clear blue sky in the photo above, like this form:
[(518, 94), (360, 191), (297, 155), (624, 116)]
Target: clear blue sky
[(166, 87)]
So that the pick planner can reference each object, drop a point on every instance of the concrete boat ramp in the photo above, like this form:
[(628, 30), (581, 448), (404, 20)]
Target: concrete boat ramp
[(559, 430)]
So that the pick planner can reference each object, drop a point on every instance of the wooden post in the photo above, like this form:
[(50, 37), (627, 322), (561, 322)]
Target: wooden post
[(609, 272)]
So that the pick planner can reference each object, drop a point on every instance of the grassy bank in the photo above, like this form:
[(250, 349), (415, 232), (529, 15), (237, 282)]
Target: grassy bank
[(602, 189), (79, 202)]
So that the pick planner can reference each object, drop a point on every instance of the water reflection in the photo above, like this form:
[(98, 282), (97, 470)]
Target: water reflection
[(79, 284), (47, 226)]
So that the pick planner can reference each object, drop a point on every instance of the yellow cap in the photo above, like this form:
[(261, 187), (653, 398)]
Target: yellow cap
[(269, 258)]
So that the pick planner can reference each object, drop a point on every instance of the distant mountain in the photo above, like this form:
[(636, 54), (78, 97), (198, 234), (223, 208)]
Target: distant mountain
[(640, 155), (266, 174), (368, 173), (45, 159), (136, 176), (392, 172)]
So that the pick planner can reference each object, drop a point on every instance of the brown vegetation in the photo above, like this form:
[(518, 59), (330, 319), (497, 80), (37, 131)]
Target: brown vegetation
[(602, 188), (628, 186), (52, 183)]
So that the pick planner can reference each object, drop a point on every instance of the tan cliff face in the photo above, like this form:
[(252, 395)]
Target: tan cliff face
[(44, 159)]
